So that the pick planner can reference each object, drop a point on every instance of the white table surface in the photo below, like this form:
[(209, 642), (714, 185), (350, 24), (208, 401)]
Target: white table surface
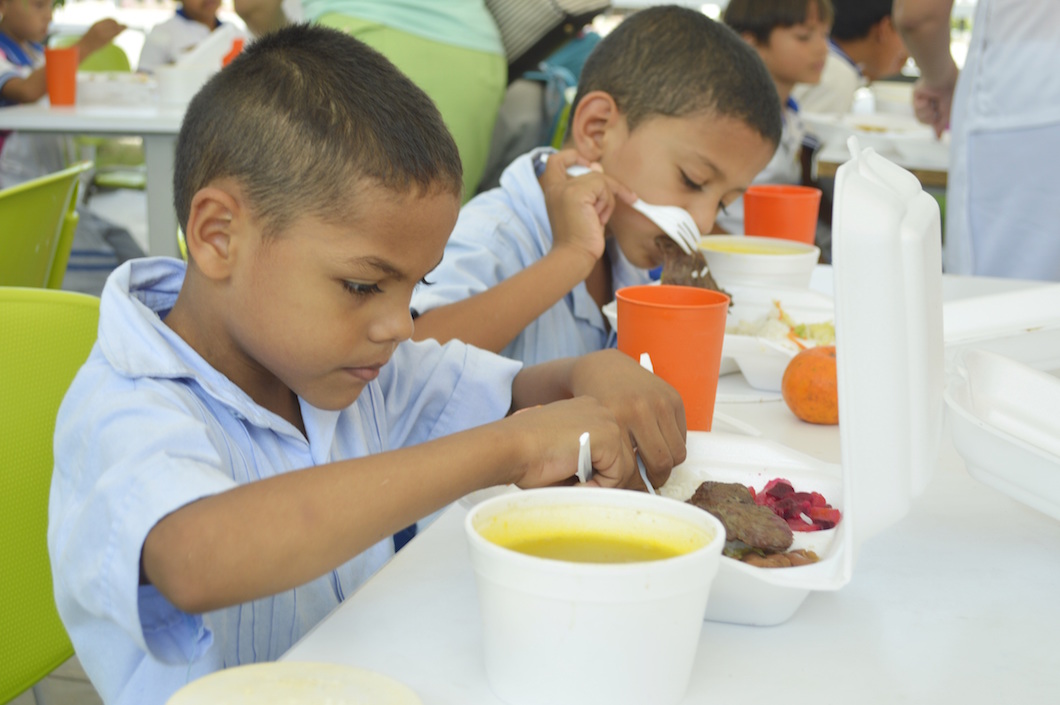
[(158, 126), (957, 603)]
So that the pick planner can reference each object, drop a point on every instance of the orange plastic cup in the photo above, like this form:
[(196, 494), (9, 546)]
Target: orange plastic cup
[(60, 73), (682, 328), (778, 210)]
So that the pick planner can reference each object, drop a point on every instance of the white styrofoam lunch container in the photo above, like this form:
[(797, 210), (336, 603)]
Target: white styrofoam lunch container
[(888, 314), (1003, 402)]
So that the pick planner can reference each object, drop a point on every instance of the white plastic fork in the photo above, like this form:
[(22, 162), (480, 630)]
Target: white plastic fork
[(675, 221)]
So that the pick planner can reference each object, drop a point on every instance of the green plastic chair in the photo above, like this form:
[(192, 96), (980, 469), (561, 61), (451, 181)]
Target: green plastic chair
[(45, 336), (37, 223), (119, 160)]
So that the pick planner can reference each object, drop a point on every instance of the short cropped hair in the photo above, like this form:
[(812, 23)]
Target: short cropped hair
[(675, 62), (303, 115), (760, 17), (855, 18)]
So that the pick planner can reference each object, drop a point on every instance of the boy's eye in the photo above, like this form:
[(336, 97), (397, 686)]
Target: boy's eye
[(424, 282), (360, 289), (690, 183)]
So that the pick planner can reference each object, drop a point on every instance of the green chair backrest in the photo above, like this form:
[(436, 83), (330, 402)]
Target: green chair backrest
[(37, 223), (45, 336), (109, 57)]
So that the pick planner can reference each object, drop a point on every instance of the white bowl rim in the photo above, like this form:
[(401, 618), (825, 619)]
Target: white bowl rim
[(595, 495)]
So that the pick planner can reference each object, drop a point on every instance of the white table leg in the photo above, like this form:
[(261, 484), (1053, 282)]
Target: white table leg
[(159, 152)]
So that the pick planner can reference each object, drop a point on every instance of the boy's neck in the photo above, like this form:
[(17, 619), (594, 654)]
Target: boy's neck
[(784, 91)]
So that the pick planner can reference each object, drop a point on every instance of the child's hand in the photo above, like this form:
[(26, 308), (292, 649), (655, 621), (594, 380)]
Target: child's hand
[(579, 206), (98, 36), (648, 409), (551, 434)]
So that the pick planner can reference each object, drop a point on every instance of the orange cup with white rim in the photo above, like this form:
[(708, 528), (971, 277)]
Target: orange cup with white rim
[(682, 329)]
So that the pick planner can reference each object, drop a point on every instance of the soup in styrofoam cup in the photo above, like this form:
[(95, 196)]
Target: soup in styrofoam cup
[(614, 614), (736, 260)]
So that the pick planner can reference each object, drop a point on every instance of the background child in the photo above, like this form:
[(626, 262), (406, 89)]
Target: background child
[(791, 36), (23, 30), (167, 41), (260, 425), (864, 46), (671, 105)]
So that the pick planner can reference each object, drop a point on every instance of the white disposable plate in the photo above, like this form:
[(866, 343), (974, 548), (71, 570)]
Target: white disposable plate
[(1005, 421), (284, 682), (742, 593)]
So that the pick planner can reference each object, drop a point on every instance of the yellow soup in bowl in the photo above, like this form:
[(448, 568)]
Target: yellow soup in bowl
[(587, 534), (745, 248)]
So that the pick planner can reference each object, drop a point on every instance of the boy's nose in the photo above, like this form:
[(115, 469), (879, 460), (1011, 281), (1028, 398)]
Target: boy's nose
[(704, 215), (396, 326)]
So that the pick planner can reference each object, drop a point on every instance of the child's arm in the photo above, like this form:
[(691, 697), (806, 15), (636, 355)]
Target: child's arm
[(578, 210), (649, 411), (261, 16), (925, 29), (33, 87), (218, 551)]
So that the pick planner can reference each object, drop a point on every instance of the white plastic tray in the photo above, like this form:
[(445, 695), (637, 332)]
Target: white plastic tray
[(1004, 416)]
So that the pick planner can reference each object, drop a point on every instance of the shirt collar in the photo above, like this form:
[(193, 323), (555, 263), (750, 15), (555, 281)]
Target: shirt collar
[(15, 52), (181, 13), (139, 345), (838, 51)]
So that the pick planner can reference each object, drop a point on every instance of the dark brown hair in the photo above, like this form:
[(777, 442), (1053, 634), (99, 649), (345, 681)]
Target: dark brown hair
[(673, 61), (301, 117)]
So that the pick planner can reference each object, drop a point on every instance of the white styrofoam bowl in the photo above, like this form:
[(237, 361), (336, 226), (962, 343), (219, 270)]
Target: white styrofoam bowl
[(568, 633), (773, 261)]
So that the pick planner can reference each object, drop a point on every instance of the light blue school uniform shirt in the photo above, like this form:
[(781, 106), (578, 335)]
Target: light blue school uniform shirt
[(148, 426), (498, 234)]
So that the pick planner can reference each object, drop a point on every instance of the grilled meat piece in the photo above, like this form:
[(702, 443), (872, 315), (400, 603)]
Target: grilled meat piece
[(711, 493), (681, 269), (754, 525), (744, 521)]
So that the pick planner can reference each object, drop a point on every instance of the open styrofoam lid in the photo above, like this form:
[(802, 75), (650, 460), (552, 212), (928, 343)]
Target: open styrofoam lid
[(886, 253)]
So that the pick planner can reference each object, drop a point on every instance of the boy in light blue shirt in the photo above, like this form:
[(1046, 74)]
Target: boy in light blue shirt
[(252, 427), (671, 107)]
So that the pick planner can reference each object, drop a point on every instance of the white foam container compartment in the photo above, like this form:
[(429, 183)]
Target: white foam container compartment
[(762, 363), (890, 357), (1003, 400)]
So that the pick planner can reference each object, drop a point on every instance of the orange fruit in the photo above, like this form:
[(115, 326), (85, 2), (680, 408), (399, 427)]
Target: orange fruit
[(809, 385)]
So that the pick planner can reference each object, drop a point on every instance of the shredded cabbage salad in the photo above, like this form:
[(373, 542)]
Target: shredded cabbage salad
[(777, 325)]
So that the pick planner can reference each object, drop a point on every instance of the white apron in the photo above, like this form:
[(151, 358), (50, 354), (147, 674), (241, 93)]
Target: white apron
[(1003, 203)]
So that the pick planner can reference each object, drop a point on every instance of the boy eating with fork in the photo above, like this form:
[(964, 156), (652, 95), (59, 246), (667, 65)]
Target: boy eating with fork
[(671, 107), (252, 427)]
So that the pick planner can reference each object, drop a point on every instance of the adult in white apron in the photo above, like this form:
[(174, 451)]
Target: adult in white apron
[(1003, 209)]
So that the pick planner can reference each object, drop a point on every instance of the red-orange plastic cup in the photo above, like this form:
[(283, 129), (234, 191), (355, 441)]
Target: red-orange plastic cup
[(778, 210), (60, 73), (682, 328)]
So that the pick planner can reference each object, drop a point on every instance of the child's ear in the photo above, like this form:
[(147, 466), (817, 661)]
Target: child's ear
[(594, 117), (214, 225)]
